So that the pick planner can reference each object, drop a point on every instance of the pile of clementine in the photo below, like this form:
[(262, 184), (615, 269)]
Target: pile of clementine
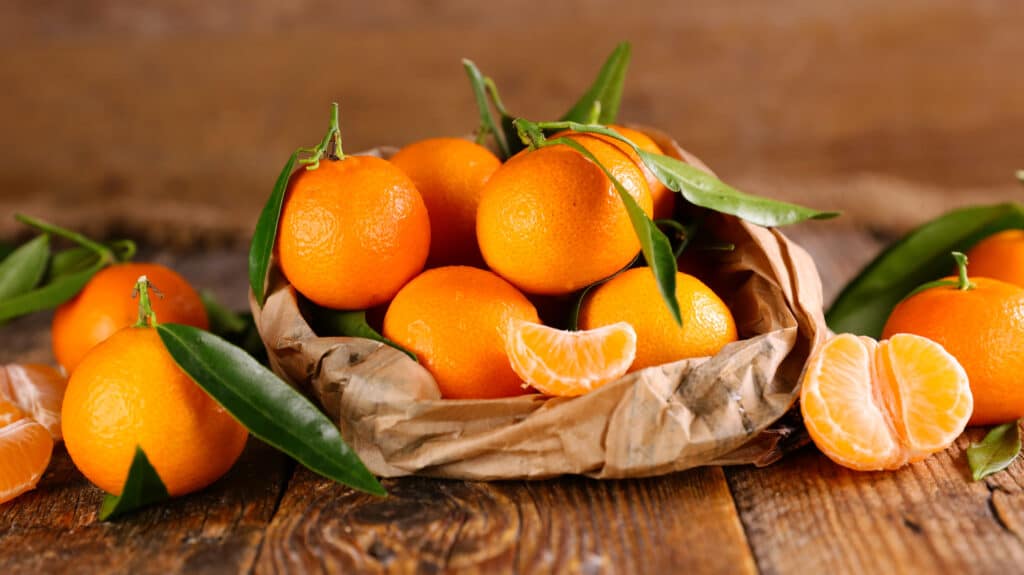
[(457, 248)]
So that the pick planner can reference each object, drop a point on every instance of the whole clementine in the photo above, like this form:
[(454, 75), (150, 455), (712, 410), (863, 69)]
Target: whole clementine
[(981, 322), (353, 232), (129, 392), (551, 222), (455, 319), (103, 307), (633, 297), (999, 256), (449, 173)]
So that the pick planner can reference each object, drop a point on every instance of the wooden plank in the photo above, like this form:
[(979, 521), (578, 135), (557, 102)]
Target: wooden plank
[(682, 523), (808, 515), (54, 529)]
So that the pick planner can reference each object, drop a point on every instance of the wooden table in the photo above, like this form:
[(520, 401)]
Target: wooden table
[(801, 515)]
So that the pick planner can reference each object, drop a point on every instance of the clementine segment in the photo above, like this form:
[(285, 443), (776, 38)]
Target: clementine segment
[(454, 319), (569, 363), (983, 327), (104, 306), (449, 173), (871, 406), (129, 392), (37, 390), (25, 451), (633, 297), (352, 232), (551, 222)]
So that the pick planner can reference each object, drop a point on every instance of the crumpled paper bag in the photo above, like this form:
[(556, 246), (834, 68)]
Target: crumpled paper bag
[(726, 409)]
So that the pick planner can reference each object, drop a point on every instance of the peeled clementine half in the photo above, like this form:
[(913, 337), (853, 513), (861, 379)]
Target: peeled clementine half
[(25, 450), (569, 363), (879, 405), (37, 390)]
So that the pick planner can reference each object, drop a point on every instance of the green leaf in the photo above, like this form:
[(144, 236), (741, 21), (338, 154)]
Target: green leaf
[(704, 190), (996, 452), (49, 296), (22, 270), (331, 322), (262, 247), (606, 90), (655, 246), (6, 249), (487, 123), (80, 258), (921, 256), (143, 487), (271, 409)]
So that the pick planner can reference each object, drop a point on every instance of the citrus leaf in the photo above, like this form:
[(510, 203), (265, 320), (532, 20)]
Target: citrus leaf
[(331, 322), (996, 452), (921, 256), (654, 244), (262, 247), (6, 249), (606, 89), (269, 408), (50, 295), (79, 258), (702, 189), (487, 123), (22, 270), (143, 487)]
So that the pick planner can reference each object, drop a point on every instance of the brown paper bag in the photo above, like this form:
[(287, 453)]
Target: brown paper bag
[(726, 409)]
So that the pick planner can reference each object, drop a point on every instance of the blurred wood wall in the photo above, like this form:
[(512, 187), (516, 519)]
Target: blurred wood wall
[(143, 117)]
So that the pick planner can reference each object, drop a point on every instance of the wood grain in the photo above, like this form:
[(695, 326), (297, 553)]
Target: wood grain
[(54, 528), (680, 523)]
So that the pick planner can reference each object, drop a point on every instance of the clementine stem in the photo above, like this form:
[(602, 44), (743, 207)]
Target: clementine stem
[(964, 283), (147, 317), (333, 136)]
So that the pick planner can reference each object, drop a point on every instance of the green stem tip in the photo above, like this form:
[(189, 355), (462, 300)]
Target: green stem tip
[(331, 139), (961, 266), (147, 317)]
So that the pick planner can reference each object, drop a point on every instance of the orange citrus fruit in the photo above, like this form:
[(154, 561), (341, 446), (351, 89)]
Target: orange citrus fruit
[(569, 363), (999, 256), (129, 392), (664, 199), (37, 391), (25, 451), (353, 232), (633, 297), (983, 327), (449, 173), (104, 306), (551, 222), (454, 319), (878, 405)]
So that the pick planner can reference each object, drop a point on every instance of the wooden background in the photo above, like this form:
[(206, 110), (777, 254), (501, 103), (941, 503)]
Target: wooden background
[(170, 120)]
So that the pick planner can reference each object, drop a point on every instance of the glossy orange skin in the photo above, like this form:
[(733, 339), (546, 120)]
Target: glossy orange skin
[(551, 222), (454, 319), (664, 199), (128, 391), (984, 329), (352, 232), (449, 173), (999, 256), (633, 297), (105, 306)]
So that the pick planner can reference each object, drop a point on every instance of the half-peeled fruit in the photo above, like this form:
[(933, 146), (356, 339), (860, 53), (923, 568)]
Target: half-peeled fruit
[(879, 405), (30, 404), (569, 363)]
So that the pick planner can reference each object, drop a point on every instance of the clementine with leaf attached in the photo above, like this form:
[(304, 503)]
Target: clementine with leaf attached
[(449, 173), (981, 322), (352, 232), (633, 297), (454, 319), (551, 222), (104, 306)]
